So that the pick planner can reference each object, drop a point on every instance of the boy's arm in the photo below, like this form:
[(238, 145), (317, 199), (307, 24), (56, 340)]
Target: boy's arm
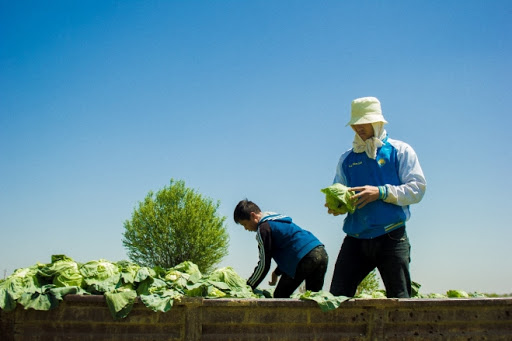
[(264, 238)]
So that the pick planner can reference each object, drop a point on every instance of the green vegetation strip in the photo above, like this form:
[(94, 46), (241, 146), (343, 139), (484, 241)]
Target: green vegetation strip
[(42, 286)]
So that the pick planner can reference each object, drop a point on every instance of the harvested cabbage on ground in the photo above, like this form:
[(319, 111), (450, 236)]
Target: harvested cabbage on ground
[(43, 286), (339, 199)]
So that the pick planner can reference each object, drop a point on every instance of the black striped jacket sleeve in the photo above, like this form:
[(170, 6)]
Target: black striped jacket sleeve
[(264, 238)]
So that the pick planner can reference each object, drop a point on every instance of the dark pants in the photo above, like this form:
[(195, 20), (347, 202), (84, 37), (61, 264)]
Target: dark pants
[(311, 268), (389, 253)]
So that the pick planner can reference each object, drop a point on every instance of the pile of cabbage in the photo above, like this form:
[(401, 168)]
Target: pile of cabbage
[(42, 286), (416, 294)]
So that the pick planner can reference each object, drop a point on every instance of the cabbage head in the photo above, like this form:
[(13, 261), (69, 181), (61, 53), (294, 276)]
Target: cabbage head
[(227, 280), (63, 272), (22, 281), (457, 294), (128, 270), (100, 276), (339, 199), (183, 274)]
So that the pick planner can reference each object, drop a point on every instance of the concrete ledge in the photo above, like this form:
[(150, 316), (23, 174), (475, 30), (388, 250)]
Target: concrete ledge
[(88, 318)]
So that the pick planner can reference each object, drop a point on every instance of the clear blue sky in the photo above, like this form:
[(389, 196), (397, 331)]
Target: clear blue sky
[(103, 101)]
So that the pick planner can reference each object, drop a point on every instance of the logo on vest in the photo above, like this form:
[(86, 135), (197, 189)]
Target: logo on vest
[(356, 164)]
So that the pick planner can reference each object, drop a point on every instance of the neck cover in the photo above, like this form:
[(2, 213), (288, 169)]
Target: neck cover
[(371, 145)]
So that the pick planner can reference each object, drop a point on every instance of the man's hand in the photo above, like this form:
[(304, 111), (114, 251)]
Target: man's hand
[(331, 211), (364, 195)]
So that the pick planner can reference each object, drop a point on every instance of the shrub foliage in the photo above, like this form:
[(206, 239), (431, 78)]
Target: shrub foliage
[(174, 225)]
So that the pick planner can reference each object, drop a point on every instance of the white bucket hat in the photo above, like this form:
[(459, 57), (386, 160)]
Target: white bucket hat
[(366, 110)]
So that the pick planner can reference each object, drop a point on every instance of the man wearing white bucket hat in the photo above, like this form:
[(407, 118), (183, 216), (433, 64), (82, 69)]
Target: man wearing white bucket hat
[(386, 176)]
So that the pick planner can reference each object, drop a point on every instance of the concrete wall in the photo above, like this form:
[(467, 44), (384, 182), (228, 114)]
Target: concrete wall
[(88, 318)]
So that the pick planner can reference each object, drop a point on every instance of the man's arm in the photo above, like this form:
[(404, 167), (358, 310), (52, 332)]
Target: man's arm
[(411, 190), (411, 176)]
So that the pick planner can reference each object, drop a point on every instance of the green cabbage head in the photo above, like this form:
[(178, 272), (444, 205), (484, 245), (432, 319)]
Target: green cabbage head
[(339, 199)]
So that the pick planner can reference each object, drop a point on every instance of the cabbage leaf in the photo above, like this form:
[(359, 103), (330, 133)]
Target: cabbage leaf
[(326, 301), (120, 302)]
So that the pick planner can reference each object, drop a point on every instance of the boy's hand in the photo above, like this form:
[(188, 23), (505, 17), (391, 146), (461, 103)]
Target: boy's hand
[(273, 281)]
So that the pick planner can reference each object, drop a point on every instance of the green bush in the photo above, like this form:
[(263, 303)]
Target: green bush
[(174, 225)]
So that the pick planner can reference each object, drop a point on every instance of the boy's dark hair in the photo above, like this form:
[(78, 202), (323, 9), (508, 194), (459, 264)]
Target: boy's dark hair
[(243, 210)]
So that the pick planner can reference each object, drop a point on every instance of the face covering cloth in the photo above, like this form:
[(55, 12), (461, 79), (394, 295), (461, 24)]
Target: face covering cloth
[(371, 145)]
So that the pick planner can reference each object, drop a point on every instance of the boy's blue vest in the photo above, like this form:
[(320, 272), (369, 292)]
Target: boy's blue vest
[(290, 243)]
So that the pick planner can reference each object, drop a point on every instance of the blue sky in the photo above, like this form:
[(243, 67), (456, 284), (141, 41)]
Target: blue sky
[(104, 101)]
